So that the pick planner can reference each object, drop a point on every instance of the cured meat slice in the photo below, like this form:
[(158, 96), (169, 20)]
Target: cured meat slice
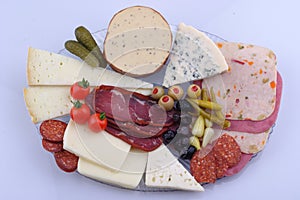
[(245, 158), (249, 89), (52, 146), (53, 130), (224, 155), (126, 106), (66, 161), (145, 144), (263, 125)]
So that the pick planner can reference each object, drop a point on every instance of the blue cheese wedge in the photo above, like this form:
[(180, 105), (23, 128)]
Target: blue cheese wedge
[(165, 171), (194, 56)]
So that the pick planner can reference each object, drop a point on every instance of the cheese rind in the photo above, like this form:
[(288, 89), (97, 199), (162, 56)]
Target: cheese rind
[(165, 171), (97, 148), (129, 175), (47, 68), (47, 102), (194, 56)]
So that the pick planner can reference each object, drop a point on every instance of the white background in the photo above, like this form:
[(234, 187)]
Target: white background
[(29, 172)]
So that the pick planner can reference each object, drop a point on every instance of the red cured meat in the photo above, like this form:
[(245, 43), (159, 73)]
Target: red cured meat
[(145, 144), (126, 106), (53, 130), (137, 130), (52, 146), (66, 161), (245, 158), (263, 125), (225, 154)]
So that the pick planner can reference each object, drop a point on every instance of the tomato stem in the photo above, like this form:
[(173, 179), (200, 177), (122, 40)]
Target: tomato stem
[(102, 116), (77, 104), (84, 83)]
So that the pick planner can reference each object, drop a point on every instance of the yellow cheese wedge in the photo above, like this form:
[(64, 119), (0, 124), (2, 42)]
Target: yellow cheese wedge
[(47, 68), (47, 102)]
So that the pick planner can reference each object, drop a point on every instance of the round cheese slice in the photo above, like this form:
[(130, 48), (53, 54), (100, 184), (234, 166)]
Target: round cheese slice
[(138, 41)]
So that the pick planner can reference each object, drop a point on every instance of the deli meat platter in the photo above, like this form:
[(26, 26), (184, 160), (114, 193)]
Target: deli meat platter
[(149, 106)]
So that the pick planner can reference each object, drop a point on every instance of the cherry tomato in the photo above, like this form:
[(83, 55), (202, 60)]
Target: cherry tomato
[(80, 112), (80, 90), (97, 122)]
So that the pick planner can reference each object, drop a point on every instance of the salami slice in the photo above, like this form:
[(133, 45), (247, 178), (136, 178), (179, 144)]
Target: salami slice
[(224, 155), (52, 146), (66, 161), (245, 158), (53, 130)]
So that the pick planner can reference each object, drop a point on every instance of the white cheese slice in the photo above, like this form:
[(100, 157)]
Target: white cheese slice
[(194, 56), (165, 171), (47, 68), (101, 148), (129, 175), (47, 102)]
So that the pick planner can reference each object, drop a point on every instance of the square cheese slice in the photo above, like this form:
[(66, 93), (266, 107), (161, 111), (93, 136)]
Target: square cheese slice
[(165, 171), (129, 176), (101, 148), (47, 68)]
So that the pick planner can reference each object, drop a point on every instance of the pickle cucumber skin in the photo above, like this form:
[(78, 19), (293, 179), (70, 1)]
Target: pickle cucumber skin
[(82, 52), (84, 37)]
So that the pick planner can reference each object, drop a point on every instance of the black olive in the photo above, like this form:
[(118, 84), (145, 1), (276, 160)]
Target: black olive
[(186, 120), (177, 106), (189, 153), (176, 117), (168, 136)]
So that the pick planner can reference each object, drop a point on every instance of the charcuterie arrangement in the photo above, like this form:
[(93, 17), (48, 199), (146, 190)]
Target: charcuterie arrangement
[(151, 106)]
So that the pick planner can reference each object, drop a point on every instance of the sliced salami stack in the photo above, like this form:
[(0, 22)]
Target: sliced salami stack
[(251, 94)]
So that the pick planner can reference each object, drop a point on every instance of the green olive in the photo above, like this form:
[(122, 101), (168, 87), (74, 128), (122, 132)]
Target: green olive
[(157, 92), (194, 91), (166, 102), (176, 92)]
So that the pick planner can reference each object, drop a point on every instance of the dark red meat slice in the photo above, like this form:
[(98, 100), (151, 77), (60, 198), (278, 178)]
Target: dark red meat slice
[(203, 169), (137, 130), (53, 130), (126, 106), (66, 161), (52, 146), (145, 144), (225, 154), (263, 125)]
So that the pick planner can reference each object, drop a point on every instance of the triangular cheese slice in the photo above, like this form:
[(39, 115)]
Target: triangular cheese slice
[(194, 56), (165, 171)]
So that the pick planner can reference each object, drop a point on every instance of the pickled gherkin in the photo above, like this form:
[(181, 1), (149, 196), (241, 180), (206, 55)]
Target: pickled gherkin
[(84, 37), (79, 50)]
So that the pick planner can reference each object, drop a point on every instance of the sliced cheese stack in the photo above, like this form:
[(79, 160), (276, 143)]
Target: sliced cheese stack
[(50, 76), (138, 41), (104, 157), (194, 56), (165, 171)]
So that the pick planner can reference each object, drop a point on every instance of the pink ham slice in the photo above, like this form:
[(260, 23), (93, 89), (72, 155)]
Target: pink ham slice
[(245, 158), (263, 125)]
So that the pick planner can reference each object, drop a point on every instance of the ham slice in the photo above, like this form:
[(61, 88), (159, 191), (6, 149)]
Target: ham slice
[(245, 158)]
